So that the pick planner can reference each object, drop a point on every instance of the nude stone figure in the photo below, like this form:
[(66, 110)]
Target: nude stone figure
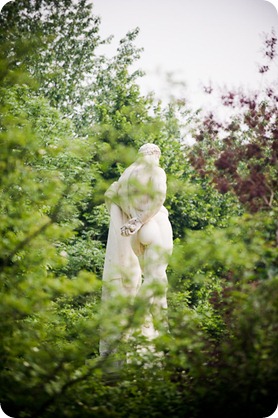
[(140, 237)]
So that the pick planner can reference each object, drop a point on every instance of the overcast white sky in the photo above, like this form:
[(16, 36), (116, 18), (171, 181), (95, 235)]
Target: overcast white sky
[(196, 40)]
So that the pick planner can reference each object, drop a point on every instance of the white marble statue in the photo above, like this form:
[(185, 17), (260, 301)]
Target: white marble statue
[(140, 237)]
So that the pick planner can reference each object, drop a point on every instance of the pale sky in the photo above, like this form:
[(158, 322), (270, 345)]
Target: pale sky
[(196, 40)]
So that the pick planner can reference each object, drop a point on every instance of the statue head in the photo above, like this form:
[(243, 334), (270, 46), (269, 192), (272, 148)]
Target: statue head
[(149, 149)]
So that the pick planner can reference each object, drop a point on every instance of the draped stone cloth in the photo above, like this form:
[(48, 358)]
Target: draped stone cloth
[(122, 269)]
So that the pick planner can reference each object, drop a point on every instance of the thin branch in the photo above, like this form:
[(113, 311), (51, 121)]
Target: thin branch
[(99, 362), (42, 228)]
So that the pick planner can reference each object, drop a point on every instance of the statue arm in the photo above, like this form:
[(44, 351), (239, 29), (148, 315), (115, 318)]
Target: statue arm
[(111, 194)]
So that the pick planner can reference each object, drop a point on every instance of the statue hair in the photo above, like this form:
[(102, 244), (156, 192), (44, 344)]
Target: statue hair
[(149, 149)]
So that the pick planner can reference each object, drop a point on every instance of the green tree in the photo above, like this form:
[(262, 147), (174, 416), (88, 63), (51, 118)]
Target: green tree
[(63, 35), (44, 175)]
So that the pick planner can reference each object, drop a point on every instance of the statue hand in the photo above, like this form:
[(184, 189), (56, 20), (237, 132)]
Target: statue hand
[(131, 227)]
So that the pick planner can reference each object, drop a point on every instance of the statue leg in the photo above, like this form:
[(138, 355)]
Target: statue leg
[(156, 239)]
